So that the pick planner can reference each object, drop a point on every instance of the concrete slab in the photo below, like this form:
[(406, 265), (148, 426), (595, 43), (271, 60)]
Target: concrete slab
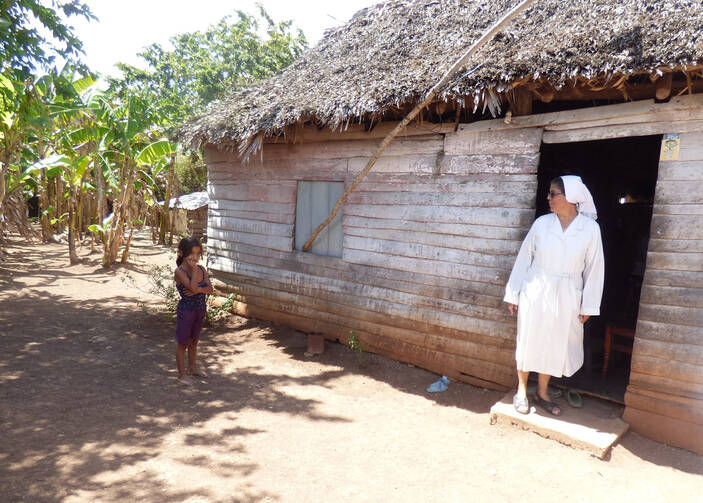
[(594, 428)]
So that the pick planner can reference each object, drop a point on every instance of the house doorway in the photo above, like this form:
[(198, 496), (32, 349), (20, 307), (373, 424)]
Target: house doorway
[(621, 174)]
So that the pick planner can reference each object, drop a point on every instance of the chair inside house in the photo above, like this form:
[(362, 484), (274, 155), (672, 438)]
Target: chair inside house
[(617, 338)]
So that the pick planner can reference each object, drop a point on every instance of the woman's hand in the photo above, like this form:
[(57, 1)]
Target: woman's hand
[(583, 318), (191, 264), (512, 308)]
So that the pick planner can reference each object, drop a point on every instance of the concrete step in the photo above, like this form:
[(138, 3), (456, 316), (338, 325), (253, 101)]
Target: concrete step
[(595, 427)]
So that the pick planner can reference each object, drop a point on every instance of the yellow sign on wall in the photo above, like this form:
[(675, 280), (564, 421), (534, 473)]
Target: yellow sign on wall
[(670, 147)]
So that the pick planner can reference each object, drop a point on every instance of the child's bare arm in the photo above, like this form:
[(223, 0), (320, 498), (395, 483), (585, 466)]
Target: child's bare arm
[(190, 284), (207, 289)]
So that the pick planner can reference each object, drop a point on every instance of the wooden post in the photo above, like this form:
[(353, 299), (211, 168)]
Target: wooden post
[(419, 107), (520, 99), (663, 85)]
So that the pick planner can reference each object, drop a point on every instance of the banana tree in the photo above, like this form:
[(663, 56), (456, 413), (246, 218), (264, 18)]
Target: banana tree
[(157, 161), (135, 148), (23, 116), (73, 172)]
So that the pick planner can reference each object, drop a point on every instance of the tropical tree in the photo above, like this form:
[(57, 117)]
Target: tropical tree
[(24, 51), (204, 66), (134, 145), (23, 117), (98, 160)]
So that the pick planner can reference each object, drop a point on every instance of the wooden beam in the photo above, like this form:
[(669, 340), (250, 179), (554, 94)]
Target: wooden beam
[(620, 111), (634, 92), (620, 131), (520, 99), (545, 92), (310, 134), (663, 85), (488, 35)]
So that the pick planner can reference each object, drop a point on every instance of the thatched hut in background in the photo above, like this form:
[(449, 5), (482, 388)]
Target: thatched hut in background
[(189, 214), (417, 262)]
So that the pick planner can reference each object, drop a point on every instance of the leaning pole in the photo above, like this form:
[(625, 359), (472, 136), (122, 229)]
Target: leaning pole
[(490, 33)]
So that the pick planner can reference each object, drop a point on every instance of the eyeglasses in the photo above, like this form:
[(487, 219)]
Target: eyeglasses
[(551, 194)]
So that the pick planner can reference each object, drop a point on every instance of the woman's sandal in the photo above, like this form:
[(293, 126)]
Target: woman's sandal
[(521, 404), (549, 406)]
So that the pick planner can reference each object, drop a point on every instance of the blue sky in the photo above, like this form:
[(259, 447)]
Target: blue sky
[(126, 26)]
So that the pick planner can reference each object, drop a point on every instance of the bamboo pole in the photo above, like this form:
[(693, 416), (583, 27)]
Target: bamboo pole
[(415, 111)]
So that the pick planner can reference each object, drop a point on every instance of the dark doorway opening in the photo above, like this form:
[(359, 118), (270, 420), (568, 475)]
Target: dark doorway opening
[(621, 174)]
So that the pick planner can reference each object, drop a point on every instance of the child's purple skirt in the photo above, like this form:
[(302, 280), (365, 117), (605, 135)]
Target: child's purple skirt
[(189, 322)]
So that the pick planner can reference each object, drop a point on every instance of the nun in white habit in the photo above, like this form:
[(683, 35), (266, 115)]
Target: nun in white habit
[(555, 286)]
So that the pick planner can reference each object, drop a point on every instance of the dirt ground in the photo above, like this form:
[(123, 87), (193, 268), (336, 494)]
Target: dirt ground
[(91, 412)]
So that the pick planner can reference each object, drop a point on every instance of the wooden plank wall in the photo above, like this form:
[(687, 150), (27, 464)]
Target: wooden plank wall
[(665, 397), (429, 240)]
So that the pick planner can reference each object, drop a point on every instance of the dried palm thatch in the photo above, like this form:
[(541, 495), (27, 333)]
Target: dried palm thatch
[(390, 55), (16, 215)]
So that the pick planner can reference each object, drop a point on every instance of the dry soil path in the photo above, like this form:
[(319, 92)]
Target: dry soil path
[(91, 411)]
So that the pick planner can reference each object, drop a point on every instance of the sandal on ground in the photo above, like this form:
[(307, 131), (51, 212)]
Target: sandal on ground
[(521, 404), (574, 398), (185, 380), (549, 406), (198, 373)]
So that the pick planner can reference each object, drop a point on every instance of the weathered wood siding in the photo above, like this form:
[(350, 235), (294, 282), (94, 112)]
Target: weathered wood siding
[(665, 397), (429, 239), (430, 236)]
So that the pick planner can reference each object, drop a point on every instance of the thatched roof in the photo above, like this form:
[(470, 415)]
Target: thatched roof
[(391, 54)]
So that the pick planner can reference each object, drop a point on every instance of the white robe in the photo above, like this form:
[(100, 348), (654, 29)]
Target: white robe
[(557, 276)]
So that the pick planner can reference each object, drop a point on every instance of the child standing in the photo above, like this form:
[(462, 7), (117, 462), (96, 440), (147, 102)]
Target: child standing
[(192, 284)]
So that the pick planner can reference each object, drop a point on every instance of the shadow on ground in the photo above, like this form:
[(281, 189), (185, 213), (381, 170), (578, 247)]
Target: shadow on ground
[(86, 395), (478, 400), (88, 391)]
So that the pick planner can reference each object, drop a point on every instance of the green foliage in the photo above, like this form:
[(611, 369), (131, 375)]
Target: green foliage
[(356, 346), (23, 49), (69, 143), (216, 313), (156, 151), (101, 230), (162, 284), (191, 173), (61, 218), (206, 65)]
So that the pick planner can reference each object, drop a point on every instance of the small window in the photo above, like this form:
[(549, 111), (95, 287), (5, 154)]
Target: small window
[(314, 204)]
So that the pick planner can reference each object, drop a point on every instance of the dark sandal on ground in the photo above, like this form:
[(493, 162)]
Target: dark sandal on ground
[(521, 404), (550, 407)]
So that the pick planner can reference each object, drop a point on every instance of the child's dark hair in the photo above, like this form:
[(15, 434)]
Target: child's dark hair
[(185, 247)]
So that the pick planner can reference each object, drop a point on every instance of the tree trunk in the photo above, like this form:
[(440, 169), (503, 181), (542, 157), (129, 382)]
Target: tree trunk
[(125, 252), (44, 206), (4, 168), (58, 198), (101, 197), (72, 257), (79, 216), (3, 172), (154, 222), (165, 216), (121, 211)]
